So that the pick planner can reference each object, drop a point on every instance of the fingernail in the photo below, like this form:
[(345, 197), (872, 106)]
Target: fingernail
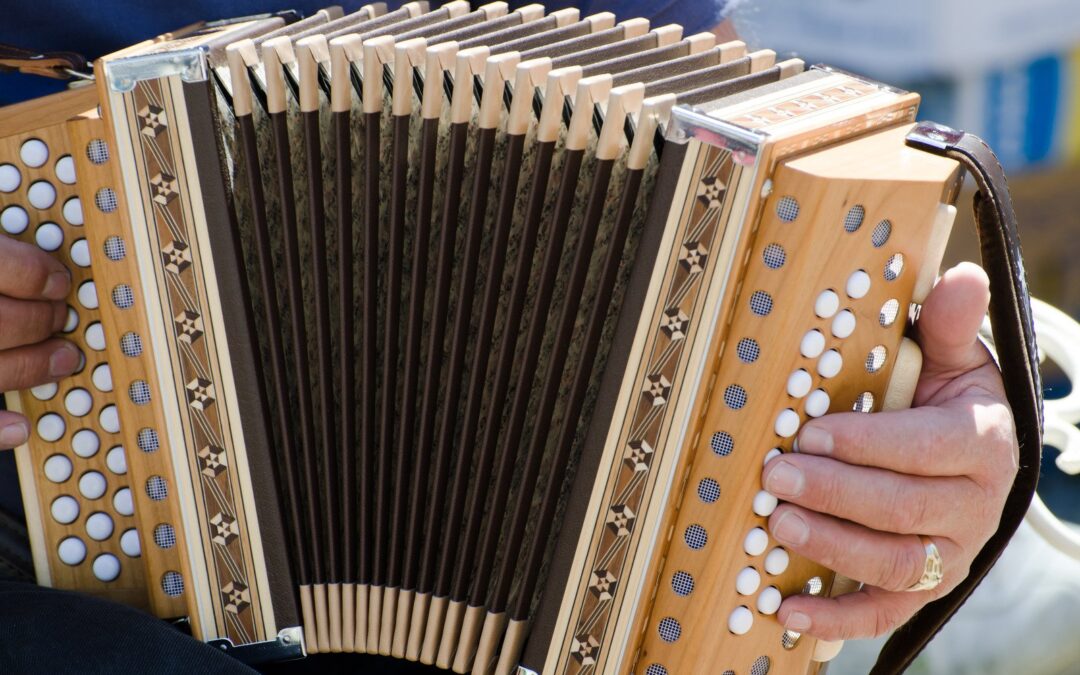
[(785, 480), (57, 285), (14, 434), (815, 440), (64, 361), (797, 621), (791, 529)]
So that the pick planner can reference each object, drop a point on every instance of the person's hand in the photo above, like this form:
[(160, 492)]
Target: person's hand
[(863, 487), (33, 286)]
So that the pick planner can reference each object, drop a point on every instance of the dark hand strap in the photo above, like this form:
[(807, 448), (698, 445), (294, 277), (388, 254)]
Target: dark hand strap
[(1014, 340), (58, 65)]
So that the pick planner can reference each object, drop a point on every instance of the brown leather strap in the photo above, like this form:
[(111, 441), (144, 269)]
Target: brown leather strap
[(57, 65), (1014, 340)]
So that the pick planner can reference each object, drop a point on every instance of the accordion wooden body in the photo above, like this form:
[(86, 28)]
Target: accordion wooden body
[(461, 335)]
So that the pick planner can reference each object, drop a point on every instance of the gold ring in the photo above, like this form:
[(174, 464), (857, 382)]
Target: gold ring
[(933, 568)]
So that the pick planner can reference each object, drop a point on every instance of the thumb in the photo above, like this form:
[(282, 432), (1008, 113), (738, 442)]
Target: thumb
[(949, 321)]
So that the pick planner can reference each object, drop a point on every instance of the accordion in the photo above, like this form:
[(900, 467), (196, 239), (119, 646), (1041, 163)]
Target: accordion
[(462, 335)]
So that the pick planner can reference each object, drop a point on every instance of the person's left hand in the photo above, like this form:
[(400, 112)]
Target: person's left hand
[(863, 487)]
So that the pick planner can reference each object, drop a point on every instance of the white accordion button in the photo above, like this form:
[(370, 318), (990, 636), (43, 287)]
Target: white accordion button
[(102, 378), (34, 153), (78, 402), (80, 253), (776, 562), (748, 581), (65, 170), (73, 211), (826, 304), (95, 337), (843, 324), (116, 461), (71, 551), (14, 220), (756, 541), (106, 567), (99, 526), (10, 178), (775, 452), (740, 621), (49, 237), (812, 344), (817, 403), (769, 601), (122, 502), (88, 296), (85, 443), (798, 383), (92, 485), (44, 392), (129, 543), (72, 321), (764, 503), (58, 468), (858, 284), (109, 420), (51, 427), (41, 195), (787, 423), (65, 509), (829, 364)]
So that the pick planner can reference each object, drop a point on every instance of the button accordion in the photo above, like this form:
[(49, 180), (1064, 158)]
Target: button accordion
[(461, 335)]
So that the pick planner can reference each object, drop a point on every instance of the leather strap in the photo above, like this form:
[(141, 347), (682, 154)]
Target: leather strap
[(57, 65), (1014, 340)]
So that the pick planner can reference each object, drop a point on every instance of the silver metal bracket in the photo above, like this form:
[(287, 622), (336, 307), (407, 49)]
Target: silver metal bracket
[(935, 136), (189, 64), (288, 645)]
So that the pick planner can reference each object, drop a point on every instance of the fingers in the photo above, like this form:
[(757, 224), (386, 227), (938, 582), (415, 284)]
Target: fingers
[(28, 321), (949, 322), (867, 613), (883, 559), (28, 273), (29, 366), (14, 430), (878, 499)]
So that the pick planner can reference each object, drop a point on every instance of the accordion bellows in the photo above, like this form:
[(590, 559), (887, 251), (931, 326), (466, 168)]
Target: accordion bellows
[(462, 335)]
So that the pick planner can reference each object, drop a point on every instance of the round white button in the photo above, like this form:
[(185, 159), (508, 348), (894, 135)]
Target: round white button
[(58, 468), (776, 562), (826, 304), (41, 194), (71, 551), (129, 543), (49, 237), (99, 526), (769, 601), (34, 152), (775, 452), (65, 170), (787, 423), (88, 296), (843, 324), (92, 485), (740, 621), (95, 337), (756, 541), (80, 253), (109, 420), (44, 392), (102, 378), (85, 443), (798, 383), (830, 363), (106, 567), (122, 502), (812, 344), (10, 178), (748, 581), (817, 403), (764, 503), (78, 402), (51, 427), (65, 509), (14, 220), (116, 461), (858, 284), (72, 321), (73, 211)]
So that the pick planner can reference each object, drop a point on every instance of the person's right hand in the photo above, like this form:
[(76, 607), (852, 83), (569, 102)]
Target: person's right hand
[(33, 286)]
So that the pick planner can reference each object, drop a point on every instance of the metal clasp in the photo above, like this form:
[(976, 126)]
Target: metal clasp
[(189, 64), (288, 645), (934, 135)]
